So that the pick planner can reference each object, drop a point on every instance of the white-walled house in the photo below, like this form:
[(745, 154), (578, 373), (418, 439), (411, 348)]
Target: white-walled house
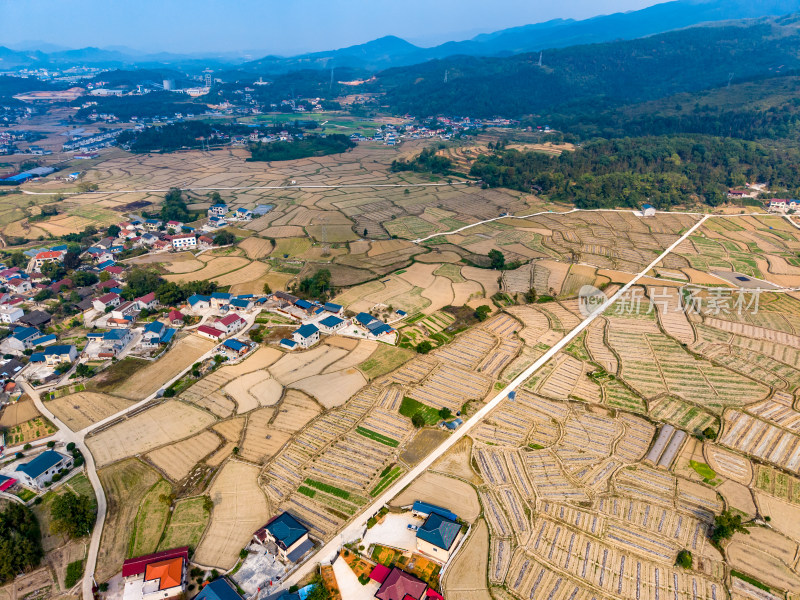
[(37, 472)]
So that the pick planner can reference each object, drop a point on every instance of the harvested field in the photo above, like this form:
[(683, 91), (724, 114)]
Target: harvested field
[(215, 267), (254, 389), (384, 360), (20, 412), (155, 375), (147, 430), (261, 441), (467, 575), (461, 497), (727, 464), (177, 460), (239, 509), (186, 524), (767, 556), (294, 367), (295, 411), (332, 389), (150, 521), (252, 272), (80, 410), (125, 485), (260, 359), (785, 516), (256, 247)]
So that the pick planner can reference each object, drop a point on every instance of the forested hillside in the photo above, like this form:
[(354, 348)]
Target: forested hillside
[(664, 171), (610, 74)]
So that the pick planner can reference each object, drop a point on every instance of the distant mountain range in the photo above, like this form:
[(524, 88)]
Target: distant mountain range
[(391, 51)]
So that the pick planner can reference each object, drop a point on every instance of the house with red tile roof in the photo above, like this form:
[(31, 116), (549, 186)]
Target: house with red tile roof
[(45, 257), (230, 323), (399, 585), (158, 576), (210, 332), (175, 317)]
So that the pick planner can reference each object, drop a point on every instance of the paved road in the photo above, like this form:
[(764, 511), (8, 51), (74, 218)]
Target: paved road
[(354, 530), (298, 186), (67, 435)]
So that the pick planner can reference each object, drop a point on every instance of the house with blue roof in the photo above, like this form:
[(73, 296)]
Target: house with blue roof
[(287, 533), (242, 303), (198, 302), (153, 224), (39, 471), (218, 210), (331, 324), (105, 264), (374, 327), (243, 214), (306, 336), (219, 589), (365, 318), (423, 509), (152, 334), (288, 344), (45, 340), (110, 342), (221, 300), (336, 309), (22, 338), (437, 536), (235, 348), (55, 355), (167, 336), (304, 305)]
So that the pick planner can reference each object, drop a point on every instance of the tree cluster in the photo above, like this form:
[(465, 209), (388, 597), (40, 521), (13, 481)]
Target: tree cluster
[(427, 161), (311, 145), (317, 287), (142, 281), (72, 514), (663, 171), (20, 541)]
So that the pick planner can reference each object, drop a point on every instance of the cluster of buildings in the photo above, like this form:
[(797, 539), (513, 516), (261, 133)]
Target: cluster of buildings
[(155, 234), (783, 206), (318, 318), (92, 141), (219, 216), (36, 473)]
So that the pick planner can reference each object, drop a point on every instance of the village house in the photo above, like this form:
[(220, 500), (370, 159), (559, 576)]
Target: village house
[(230, 323), (235, 348), (331, 324), (288, 534), (306, 336), (45, 340), (219, 589), (22, 338), (211, 333), (38, 472), (242, 214), (127, 309), (184, 241), (147, 302), (218, 210), (176, 226), (19, 285), (152, 334), (55, 355), (10, 314), (334, 309), (783, 206), (175, 318), (396, 584), (103, 302), (648, 210), (110, 343), (42, 258), (242, 303), (153, 224), (157, 576), (197, 302), (436, 537), (221, 300)]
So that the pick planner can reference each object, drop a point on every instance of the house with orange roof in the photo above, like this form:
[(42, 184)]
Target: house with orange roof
[(158, 576), (44, 257)]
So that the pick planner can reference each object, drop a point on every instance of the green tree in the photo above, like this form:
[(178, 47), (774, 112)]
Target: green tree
[(17, 259), (445, 413), (726, 525), (496, 259), (72, 514), (418, 420), (424, 347), (113, 231), (266, 289), (140, 282), (482, 312), (174, 208), (684, 559), (224, 238), (105, 276), (709, 433), (20, 541)]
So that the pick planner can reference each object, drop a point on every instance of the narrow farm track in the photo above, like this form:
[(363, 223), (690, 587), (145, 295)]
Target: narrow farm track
[(354, 529)]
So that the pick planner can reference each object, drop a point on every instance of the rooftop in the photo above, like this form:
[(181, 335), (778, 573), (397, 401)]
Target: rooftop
[(286, 529), (46, 460), (137, 566), (306, 331), (398, 585), (439, 531)]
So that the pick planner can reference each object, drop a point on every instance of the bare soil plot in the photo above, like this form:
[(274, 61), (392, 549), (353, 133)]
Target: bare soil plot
[(240, 508), (423, 444), (332, 389), (80, 410), (738, 496), (256, 247), (785, 516), (439, 257), (215, 267), (766, 555), (261, 441), (254, 389), (125, 485), (150, 521), (295, 411), (147, 430), (177, 460), (186, 524), (440, 293), (467, 574), (19, 412), (461, 497), (150, 379)]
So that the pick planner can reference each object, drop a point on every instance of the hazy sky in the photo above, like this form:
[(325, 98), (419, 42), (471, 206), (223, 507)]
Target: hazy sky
[(274, 26)]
